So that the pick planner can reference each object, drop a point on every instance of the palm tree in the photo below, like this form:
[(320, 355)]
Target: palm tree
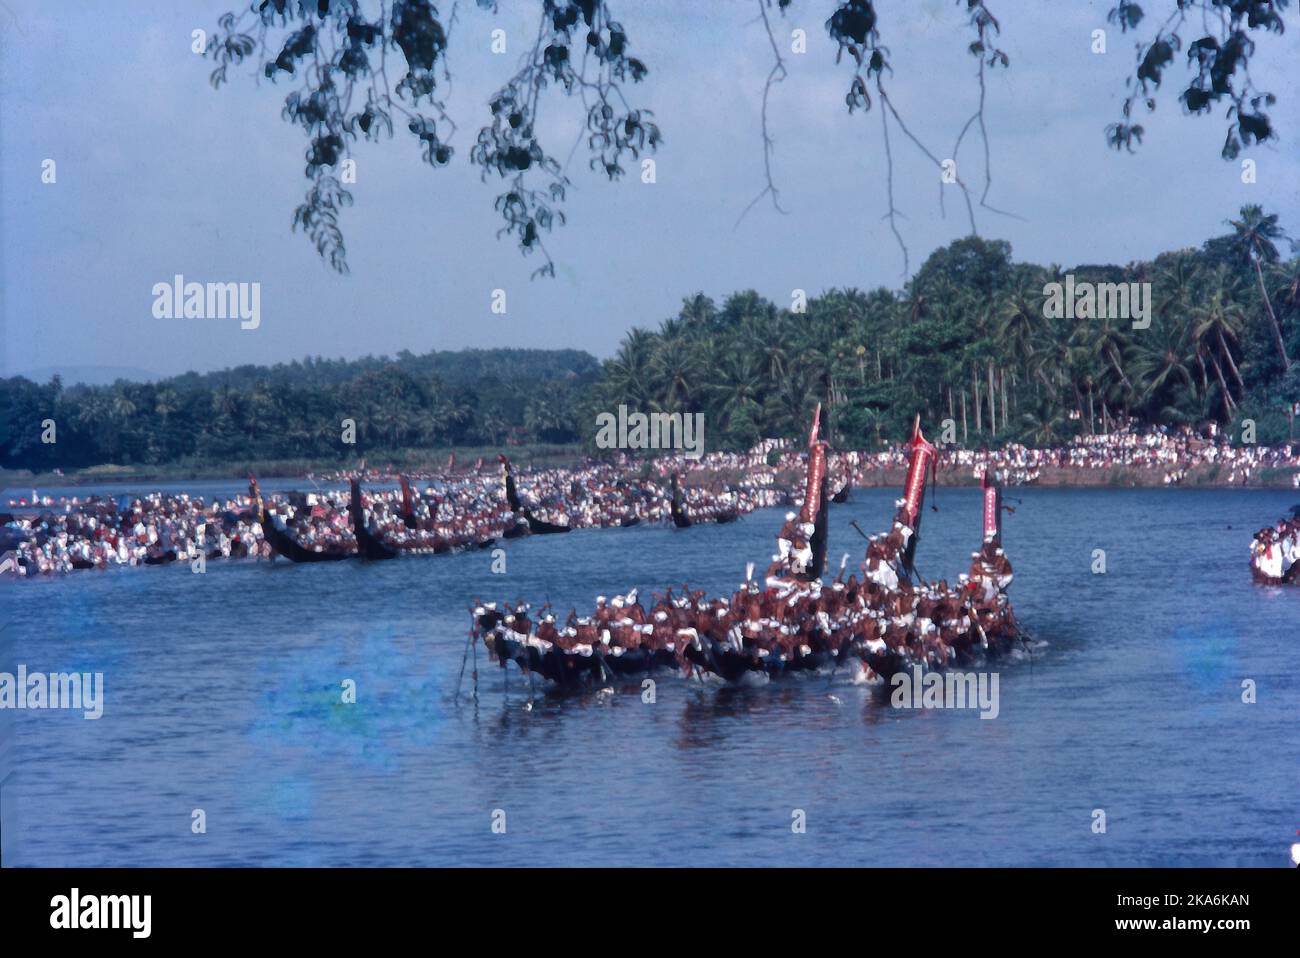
[(776, 360), (166, 402), (678, 370), (1165, 359), (1255, 233), (816, 362), (628, 375), (93, 412), (787, 406), (697, 310), (1216, 322), (122, 405), (872, 419), (547, 418), (1111, 343), (1044, 428), (738, 390), (1020, 316), (494, 428)]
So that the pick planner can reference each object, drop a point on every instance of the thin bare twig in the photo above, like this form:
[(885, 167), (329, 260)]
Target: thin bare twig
[(776, 75)]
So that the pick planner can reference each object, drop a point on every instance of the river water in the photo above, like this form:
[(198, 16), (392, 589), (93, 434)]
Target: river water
[(223, 693)]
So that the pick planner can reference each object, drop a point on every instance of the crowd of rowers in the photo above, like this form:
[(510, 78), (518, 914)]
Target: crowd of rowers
[(453, 512), (882, 619), (885, 616), (1275, 551), (99, 531)]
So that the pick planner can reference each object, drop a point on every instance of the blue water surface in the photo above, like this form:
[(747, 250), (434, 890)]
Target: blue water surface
[(224, 693)]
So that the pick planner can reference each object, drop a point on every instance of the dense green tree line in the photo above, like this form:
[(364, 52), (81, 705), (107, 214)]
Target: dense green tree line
[(296, 410), (969, 338)]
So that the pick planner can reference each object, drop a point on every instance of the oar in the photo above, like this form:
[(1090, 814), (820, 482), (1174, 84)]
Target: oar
[(606, 673), (463, 658), (475, 645), (1020, 634)]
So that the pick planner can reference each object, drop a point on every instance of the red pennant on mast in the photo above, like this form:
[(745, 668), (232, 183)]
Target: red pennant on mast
[(923, 456), (816, 471)]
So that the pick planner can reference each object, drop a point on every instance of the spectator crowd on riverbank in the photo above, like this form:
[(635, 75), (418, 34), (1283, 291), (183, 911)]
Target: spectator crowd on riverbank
[(453, 510), (1169, 453)]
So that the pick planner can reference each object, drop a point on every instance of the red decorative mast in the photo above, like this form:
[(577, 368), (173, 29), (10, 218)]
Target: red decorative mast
[(992, 507), (407, 505), (815, 501), (812, 498), (923, 456)]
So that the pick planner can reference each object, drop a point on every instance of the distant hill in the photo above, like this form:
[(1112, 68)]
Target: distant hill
[(467, 367), (88, 375)]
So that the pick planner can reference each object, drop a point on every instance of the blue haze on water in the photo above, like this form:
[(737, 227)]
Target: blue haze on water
[(223, 693)]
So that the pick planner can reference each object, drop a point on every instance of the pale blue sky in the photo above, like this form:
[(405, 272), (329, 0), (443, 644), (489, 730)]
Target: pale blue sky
[(158, 174)]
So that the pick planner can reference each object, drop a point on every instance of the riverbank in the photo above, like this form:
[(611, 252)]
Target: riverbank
[(410, 461), (1205, 475)]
